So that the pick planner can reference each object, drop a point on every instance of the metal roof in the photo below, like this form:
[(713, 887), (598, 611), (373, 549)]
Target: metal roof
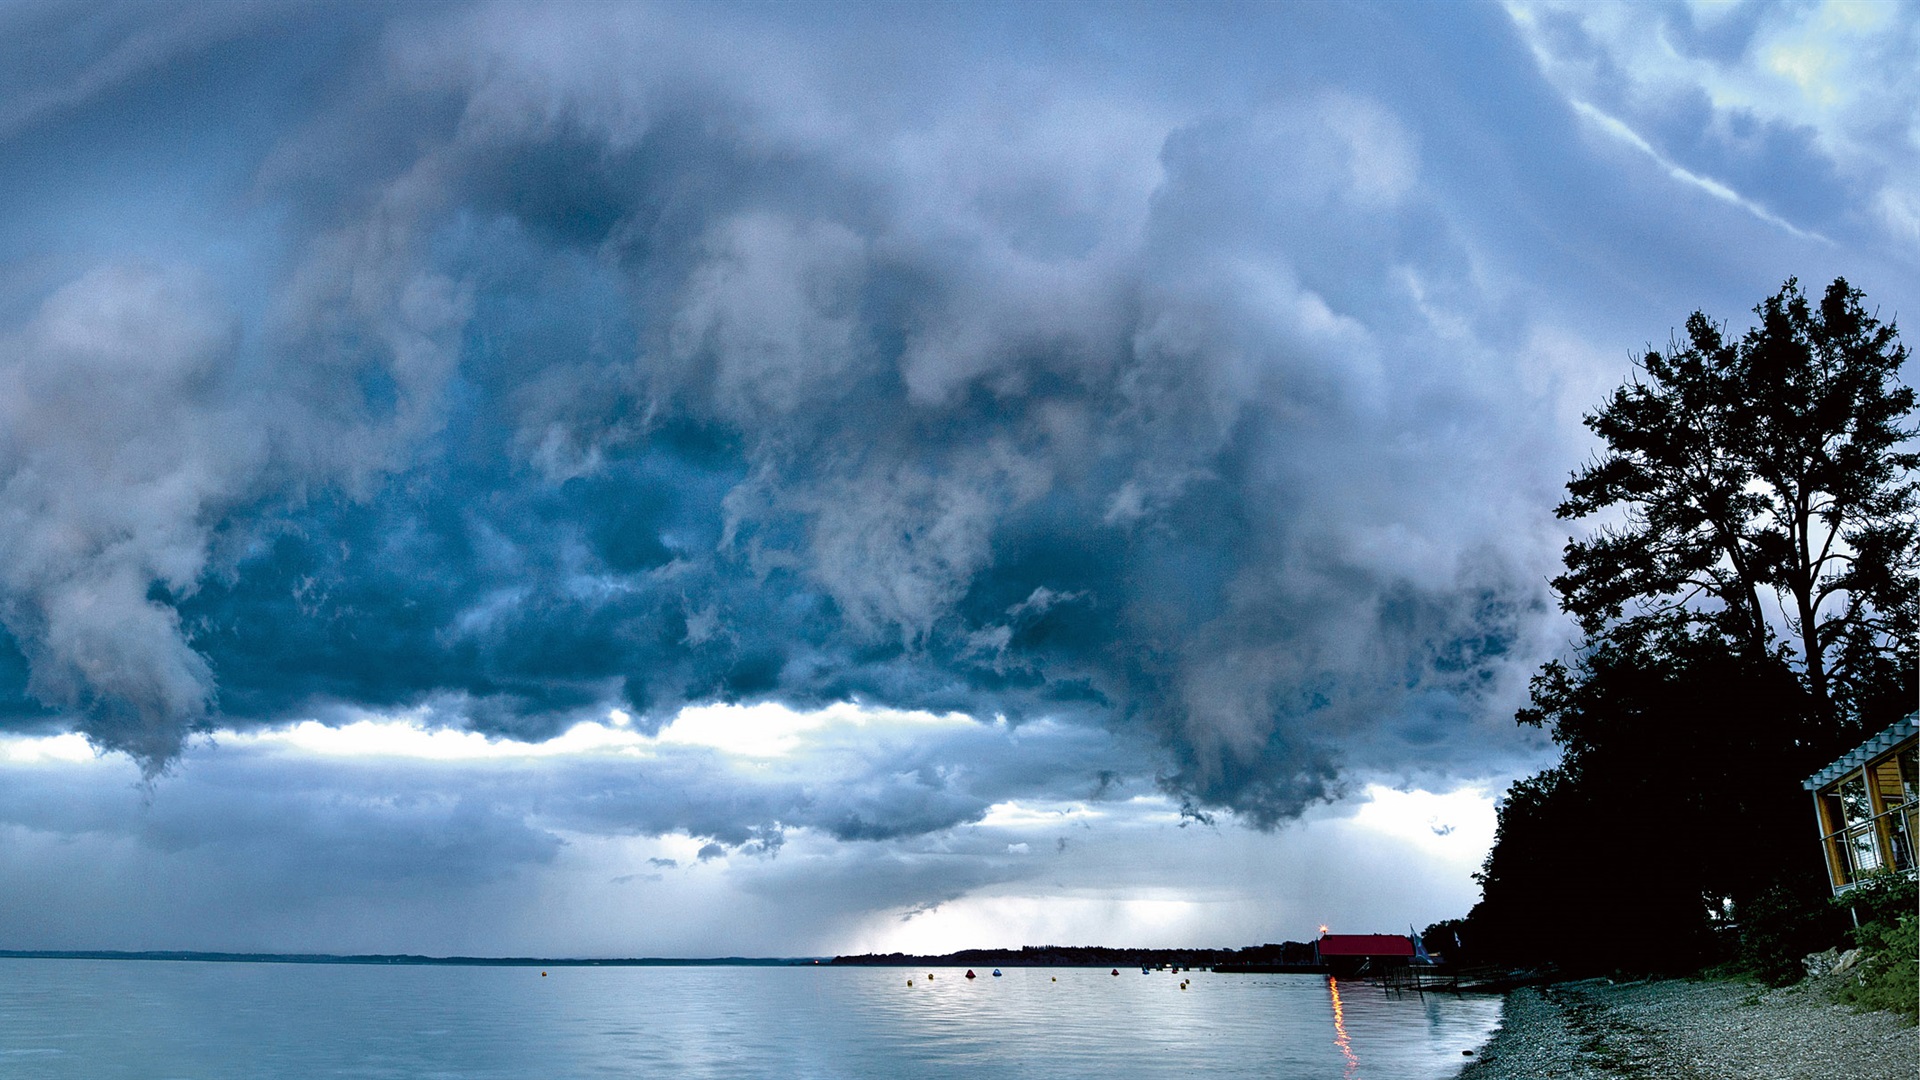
[(1900, 732)]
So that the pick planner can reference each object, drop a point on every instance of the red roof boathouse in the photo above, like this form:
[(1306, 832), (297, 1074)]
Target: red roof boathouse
[(1345, 954)]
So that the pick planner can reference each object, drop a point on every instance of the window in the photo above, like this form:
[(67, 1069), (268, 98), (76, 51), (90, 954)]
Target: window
[(1902, 843), (1861, 842), (1853, 800), (1862, 852)]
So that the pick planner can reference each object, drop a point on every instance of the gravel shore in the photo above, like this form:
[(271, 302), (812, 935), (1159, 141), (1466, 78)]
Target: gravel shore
[(1680, 1029)]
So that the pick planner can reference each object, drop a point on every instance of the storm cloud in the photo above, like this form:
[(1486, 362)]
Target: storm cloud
[(508, 365)]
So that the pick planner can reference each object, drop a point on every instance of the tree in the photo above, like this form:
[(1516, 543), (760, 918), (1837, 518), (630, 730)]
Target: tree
[(1761, 485), (1748, 607), (1679, 779)]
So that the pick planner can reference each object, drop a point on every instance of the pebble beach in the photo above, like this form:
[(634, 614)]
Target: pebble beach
[(1682, 1029)]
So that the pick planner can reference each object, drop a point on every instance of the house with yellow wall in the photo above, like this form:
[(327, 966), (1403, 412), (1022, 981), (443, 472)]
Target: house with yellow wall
[(1868, 806)]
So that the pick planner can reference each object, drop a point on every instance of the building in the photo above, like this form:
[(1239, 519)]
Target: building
[(1348, 954), (1868, 806)]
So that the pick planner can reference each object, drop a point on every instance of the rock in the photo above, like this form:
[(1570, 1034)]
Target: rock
[(1683, 1029), (1847, 960), (1820, 964)]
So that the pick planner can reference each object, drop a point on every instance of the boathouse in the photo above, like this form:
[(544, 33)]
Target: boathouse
[(1351, 954), (1867, 806)]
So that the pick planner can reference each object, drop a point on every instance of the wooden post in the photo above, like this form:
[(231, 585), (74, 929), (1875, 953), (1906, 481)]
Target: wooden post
[(1836, 858)]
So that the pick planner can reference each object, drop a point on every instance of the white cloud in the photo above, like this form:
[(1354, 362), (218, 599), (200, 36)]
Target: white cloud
[(1619, 130), (1841, 71), (67, 748), (511, 846), (771, 730)]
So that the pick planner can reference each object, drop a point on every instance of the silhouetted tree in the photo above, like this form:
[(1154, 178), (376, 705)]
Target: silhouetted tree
[(1748, 612), (1762, 485), (1677, 790)]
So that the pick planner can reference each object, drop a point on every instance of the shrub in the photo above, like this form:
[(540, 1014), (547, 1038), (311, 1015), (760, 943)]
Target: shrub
[(1891, 976), (1882, 898), (1780, 926)]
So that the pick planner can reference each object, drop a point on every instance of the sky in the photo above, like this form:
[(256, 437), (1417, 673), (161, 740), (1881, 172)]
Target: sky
[(793, 479)]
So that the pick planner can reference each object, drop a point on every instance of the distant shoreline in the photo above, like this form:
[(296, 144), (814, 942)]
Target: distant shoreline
[(408, 959), (1292, 956), (1265, 958)]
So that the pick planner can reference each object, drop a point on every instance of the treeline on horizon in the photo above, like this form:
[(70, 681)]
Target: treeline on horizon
[(1290, 953), (1747, 608)]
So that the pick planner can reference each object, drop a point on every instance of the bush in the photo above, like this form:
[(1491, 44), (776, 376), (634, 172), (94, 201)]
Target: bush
[(1882, 898), (1891, 976), (1782, 925)]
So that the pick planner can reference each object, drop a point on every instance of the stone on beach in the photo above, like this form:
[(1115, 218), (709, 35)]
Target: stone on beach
[(1681, 1029)]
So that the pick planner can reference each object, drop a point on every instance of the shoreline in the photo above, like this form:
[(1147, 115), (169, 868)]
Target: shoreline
[(1691, 1029)]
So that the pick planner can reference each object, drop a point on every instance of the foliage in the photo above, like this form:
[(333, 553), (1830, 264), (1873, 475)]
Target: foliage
[(1620, 858), (1890, 934), (1755, 477), (1891, 976), (1781, 925), (1754, 486), (1451, 939), (1880, 898)]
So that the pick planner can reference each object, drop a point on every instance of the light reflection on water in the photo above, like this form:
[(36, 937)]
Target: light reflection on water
[(1340, 1037), (106, 1019)]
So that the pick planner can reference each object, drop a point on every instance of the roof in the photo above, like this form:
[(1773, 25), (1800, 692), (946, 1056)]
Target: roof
[(1898, 733), (1365, 945)]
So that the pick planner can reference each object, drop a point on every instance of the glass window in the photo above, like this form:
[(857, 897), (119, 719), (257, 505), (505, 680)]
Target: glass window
[(1863, 852), (1853, 800), (1902, 843), (1910, 773)]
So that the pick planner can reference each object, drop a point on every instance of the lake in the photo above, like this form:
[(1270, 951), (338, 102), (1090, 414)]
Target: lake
[(159, 1020)]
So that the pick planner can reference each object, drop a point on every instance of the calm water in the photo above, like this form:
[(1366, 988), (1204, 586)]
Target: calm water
[(102, 1019)]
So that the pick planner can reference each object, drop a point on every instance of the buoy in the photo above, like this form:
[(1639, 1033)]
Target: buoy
[(1056, 978), (1116, 971), (970, 974), (929, 976), (996, 973), (543, 974), (909, 982)]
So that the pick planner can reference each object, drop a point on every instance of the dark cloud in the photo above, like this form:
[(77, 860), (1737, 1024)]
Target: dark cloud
[(547, 361), (590, 383)]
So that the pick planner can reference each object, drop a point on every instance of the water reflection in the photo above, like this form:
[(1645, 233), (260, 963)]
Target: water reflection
[(1340, 1028), (1402, 1033), (89, 1020)]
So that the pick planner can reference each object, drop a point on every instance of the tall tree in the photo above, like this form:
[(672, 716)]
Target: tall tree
[(1756, 563), (1760, 489)]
